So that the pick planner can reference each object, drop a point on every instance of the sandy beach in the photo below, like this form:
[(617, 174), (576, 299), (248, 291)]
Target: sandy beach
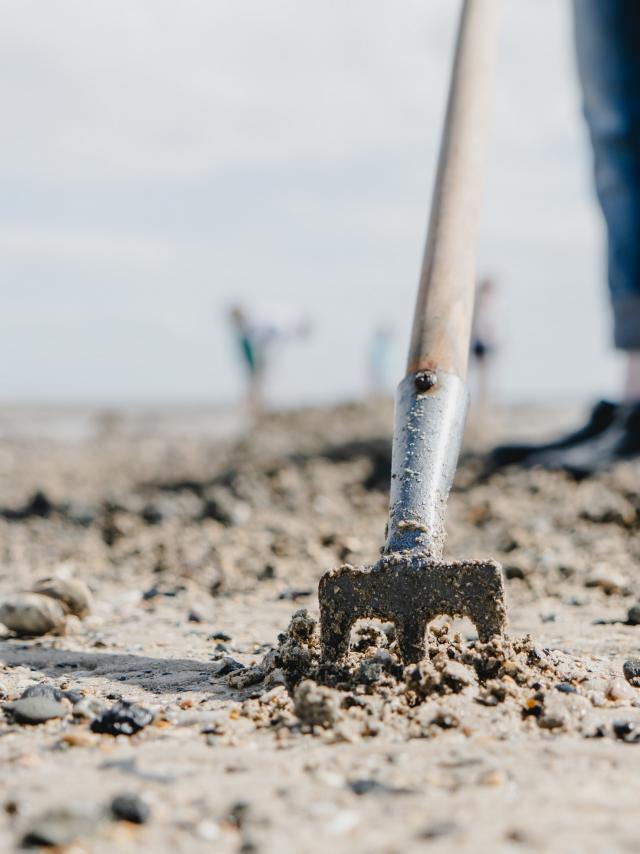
[(199, 551)]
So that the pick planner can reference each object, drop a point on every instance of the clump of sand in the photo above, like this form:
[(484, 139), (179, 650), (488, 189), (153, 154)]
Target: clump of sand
[(460, 684)]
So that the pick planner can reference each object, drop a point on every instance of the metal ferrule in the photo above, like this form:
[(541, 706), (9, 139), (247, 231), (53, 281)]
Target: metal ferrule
[(426, 444)]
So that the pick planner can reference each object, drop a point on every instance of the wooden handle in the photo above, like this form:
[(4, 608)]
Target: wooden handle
[(443, 315)]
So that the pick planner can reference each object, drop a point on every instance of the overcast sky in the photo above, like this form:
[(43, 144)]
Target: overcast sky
[(160, 160)]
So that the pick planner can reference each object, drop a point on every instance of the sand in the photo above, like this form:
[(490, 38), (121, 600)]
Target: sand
[(199, 554)]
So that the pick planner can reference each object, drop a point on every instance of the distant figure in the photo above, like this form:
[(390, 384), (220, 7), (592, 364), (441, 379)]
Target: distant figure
[(484, 345), (378, 359), (257, 333)]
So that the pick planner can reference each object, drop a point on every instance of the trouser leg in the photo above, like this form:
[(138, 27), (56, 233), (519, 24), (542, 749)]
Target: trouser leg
[(607, 35)]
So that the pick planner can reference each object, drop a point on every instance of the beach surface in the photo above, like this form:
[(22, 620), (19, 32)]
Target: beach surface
[(198, 549)]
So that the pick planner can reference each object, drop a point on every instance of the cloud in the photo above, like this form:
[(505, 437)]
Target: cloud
[(161, 158)]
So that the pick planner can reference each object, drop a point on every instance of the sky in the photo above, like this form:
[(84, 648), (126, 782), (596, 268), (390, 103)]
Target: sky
[(161, 160)]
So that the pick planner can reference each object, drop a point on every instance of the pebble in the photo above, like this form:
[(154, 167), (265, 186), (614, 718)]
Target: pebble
[(552, 720), (239, 813), (42, 689), (369, 786), (227, 665), (63, 825), (89, 707), (74, 594), (608, 581), (631, 670), (566, 688), (124, 718), (445, 720), (32, 614), (618, 689), (216, 582), (369, 672), (130, 807), (314, 704), (457, 676), (207, 830), (633, 615), (438, 829), (78, 738), (294, 594), (36, 709), (626, 731)]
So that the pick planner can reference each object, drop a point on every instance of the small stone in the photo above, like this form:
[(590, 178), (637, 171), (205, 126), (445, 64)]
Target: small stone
[(216, 581), (78, 738), (227, 665), (221, 505), (36, 710), (239, 813), (369, 672), (42, 689), (370, 786), (618, 689), (62, 826), (293, 594), (130, 807), (631, 670), (445, 720), (124, 718), (195, 616), (314, 704), (438, 829), (609, 582), (633, 615), (626, 731), (89, 707), (248, 845), (220, 636), (207, 830), (32, 614), (494, 777), (552, 720), (13, 807), (73, 593), (566, 688), (366, 786), (456, 676)]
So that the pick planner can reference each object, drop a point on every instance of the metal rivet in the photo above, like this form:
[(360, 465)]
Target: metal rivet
[(424, 380)]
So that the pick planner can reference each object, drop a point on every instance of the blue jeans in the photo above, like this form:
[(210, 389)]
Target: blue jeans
[(607, 35)]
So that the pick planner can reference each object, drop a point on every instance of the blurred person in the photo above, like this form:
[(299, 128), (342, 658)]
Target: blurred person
[(607, 40), (378, 361), (258, 332), (484, 345)]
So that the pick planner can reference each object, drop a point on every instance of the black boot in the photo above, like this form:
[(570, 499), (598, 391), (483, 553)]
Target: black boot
[(600, 419), (620, 441)]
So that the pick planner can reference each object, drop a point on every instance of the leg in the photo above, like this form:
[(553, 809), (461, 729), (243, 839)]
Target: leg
[(607, 36)]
